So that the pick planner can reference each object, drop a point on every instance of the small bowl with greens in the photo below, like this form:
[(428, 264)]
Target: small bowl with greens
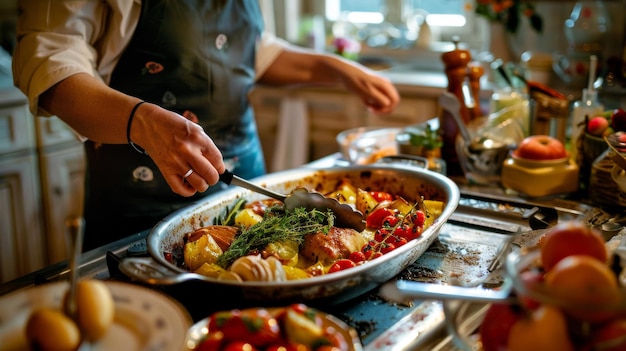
[(419, 140)]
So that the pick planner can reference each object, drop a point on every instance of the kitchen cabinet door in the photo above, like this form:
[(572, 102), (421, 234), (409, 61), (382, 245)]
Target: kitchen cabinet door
[(410, 111), (52, 132), (16, 127), (62, 179), (22, 244), (328, 112)]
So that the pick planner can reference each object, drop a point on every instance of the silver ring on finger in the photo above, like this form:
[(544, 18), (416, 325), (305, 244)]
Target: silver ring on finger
[(189, 172)]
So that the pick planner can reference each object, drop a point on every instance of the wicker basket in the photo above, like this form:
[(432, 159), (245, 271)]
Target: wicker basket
[(549, 115)]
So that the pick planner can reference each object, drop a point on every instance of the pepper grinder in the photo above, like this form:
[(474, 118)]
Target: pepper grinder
[(474, 72), (455, 63)]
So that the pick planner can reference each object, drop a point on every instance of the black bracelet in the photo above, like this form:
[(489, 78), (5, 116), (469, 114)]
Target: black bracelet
[(130, 122)]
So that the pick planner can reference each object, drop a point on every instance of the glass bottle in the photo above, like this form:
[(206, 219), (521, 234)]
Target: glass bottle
[(588, 106)]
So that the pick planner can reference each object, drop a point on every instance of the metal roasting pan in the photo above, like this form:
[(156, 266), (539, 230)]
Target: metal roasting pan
[(411, 182)]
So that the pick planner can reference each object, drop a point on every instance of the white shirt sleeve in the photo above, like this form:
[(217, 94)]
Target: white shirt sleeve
[(60, 38), (269, 48)]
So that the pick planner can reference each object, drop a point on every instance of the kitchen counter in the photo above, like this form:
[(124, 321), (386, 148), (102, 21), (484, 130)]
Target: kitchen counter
[(464, 251)]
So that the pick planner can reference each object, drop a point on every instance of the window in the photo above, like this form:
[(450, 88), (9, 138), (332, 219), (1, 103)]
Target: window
[(446, 17)]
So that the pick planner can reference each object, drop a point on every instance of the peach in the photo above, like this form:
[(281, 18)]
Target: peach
[(597, 125), (571, 238)]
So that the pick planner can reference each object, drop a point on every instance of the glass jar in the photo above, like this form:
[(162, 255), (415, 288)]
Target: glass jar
[(603, 189)]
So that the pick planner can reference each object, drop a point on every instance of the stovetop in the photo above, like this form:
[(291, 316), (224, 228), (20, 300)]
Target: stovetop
[(464, 252)]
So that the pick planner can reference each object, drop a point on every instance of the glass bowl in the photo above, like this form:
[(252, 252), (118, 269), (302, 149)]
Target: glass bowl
[(484, 166), (365, 145)]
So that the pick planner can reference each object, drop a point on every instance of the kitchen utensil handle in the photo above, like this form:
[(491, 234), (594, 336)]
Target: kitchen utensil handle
[(75, 227), (451, 103), (229, 178), (148, 270), (401, 290)]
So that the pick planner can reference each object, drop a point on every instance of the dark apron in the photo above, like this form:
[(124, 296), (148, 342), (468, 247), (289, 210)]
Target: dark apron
[(195, 58)]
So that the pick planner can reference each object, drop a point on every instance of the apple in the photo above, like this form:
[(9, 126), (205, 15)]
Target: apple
[(618, 119), (597, 125), (541, 147), (495, 327)]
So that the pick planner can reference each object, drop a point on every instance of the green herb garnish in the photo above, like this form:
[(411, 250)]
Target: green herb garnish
[(429, 139), (291, 225), (229, 218)]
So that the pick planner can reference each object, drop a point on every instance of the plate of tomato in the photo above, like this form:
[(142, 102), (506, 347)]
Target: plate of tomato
[(293, 327)]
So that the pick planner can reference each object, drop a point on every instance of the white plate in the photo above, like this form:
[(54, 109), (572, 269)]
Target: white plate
[(200, 330), (144, 319)]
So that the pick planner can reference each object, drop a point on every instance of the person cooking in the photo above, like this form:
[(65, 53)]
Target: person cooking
[(157, 90)]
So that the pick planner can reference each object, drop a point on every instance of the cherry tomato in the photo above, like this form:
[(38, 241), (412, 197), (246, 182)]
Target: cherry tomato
[(400, 242), (239, 346), (287, 347), (387, 247), (390, 221), (403, 231), (259, 207), (375, 219), (357, 256), (418, 218), (299, 307), (256, 326), (381, 235), (381, 196), (370, 255), (212, 342), (341, 264), (415, 232), (369, 247)]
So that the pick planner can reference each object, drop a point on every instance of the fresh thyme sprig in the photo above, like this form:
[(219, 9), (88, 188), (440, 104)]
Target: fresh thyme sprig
[(292, 225)]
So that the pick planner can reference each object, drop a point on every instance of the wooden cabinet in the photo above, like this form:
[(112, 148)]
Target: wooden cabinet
[(22, 243), (22, 240), (62, 180), (41, 183)]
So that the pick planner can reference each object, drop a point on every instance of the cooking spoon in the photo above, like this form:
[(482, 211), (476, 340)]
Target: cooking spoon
[(147, 271), (345, 215)]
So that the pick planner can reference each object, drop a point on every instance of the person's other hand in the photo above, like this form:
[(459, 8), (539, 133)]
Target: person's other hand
[(184, 153), (376, 92)]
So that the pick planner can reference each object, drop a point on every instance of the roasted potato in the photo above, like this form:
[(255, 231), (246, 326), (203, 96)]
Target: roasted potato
[(202, 250)]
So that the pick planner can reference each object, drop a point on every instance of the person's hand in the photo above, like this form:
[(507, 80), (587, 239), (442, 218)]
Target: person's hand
[(376, 92), (185, 155)]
